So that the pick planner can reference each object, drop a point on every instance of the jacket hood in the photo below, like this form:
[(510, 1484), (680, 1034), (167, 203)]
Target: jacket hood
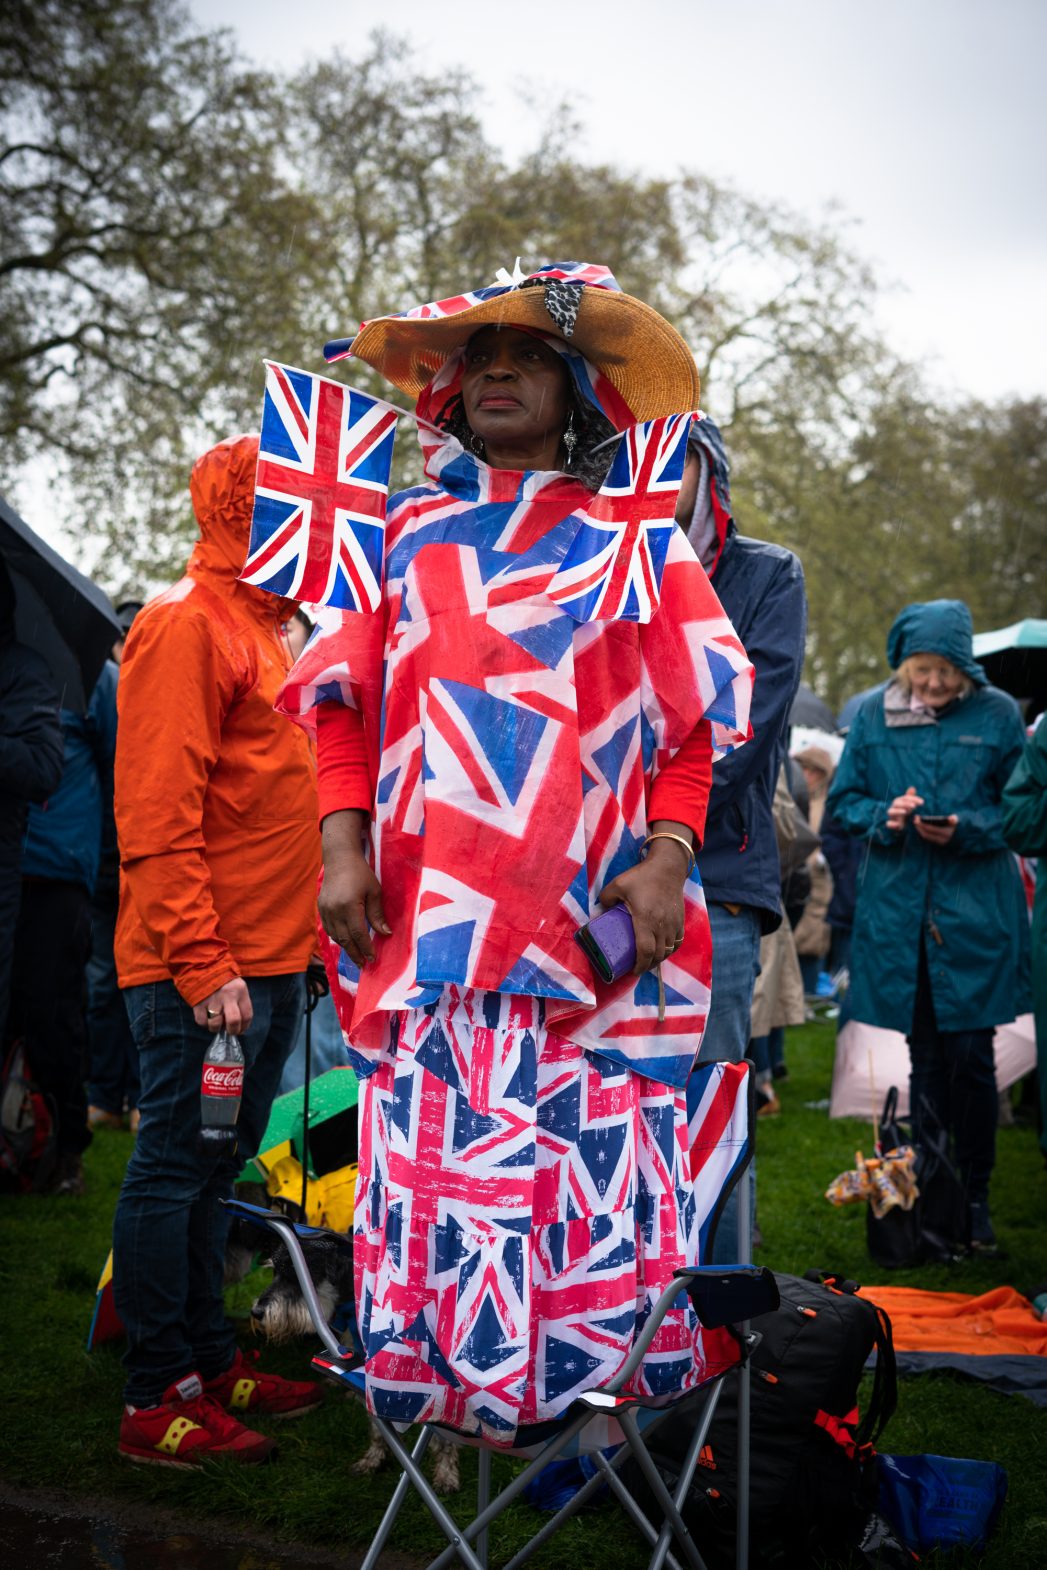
[(221, 486), (816, 758), (704, 438), (942, 627), (222, 490)]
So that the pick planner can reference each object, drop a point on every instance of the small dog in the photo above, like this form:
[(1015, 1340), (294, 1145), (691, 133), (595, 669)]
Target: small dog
[(281, 1314)]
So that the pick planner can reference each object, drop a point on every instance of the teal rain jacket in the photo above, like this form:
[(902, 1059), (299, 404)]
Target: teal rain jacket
[(1025, 825), (964, 899)]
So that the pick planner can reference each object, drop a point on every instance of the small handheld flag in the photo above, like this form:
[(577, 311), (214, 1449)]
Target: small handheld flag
[(321, 488), (613, 569)]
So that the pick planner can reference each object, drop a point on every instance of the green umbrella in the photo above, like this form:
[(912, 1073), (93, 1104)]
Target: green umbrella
[(332, 1123)]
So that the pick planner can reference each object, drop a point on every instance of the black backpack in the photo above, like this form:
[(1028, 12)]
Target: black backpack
[(937, 1226), (813, 1486)]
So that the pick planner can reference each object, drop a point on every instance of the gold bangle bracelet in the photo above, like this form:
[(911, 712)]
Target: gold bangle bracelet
[(664, 834)]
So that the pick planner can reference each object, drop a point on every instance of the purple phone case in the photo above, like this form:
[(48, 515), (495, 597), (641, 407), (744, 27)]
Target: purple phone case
[(610, 942)]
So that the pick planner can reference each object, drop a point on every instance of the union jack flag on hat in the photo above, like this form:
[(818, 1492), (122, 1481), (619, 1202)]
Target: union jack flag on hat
[(321, 488)]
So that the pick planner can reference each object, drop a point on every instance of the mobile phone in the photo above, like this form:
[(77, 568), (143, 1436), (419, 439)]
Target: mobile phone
[(935, 820)]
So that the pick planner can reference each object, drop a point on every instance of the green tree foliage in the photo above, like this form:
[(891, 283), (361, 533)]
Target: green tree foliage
[(143, 231), (169, 216)]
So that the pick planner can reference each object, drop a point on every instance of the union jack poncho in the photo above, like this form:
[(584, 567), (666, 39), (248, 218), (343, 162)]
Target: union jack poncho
[(513, 738)]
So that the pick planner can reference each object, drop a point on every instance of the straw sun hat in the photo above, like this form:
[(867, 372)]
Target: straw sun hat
[(643, 357)]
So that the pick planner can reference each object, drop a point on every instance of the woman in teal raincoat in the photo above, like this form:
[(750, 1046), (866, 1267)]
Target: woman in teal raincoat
[(940, 947)]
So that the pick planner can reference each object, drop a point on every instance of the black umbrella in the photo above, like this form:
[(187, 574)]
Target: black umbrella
[(810, 710), (58, 612)]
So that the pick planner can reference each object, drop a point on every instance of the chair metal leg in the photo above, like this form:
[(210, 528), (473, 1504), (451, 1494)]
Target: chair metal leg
[(392, 1510), (446, 1522), (684, 1481), (741, 1559), (662, 1495), (483, 1499), (511, 1491), (745, 1228), (633, 1511)]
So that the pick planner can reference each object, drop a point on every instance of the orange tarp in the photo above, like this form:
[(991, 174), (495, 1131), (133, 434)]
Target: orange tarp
[(1000, 1322)]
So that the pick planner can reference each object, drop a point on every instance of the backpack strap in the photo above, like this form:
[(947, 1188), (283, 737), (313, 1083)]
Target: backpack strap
[(884, 1398)]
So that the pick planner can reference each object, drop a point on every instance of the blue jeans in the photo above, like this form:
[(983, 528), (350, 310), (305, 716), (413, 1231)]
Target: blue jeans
[(170, 1228), (768, 1052), (112, 1073), (736, 965)]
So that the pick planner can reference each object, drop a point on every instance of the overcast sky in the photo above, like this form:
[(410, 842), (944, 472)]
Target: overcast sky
[(923, 118)]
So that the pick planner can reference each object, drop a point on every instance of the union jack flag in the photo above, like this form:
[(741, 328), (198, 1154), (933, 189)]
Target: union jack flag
[(318, 527), (719, 1136), (613, 570)]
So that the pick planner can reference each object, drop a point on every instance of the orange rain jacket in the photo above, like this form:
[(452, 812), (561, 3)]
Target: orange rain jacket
[(215, 793)]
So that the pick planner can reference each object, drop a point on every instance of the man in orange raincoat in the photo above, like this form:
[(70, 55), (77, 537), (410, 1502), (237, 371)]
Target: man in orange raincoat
[(216, 817)]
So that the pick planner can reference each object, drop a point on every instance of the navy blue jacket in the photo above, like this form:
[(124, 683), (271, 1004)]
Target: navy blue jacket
[(761, 588), (63, 837)]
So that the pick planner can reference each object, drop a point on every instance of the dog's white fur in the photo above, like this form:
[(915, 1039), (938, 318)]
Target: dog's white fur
[(286, 1318)]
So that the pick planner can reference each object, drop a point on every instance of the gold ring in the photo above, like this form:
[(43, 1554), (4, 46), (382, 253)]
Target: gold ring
[(212, 1013)]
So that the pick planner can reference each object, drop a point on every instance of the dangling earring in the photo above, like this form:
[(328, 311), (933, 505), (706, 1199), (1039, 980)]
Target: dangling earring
[(476, 443), (570, 438)]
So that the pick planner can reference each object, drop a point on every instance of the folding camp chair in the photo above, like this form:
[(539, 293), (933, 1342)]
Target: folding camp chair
[(724, 1298)]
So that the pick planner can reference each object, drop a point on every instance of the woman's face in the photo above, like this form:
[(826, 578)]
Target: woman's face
[(934, 681), (514, 387)]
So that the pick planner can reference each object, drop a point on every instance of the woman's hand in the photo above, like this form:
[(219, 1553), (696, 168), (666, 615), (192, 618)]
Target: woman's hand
[(902, 809), (351, 895), (936, 833), (653, 891)]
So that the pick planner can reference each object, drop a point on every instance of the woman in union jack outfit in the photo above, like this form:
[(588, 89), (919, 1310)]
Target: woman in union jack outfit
[(521, 733)]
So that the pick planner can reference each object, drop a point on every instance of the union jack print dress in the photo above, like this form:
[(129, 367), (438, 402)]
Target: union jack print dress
[(525, 1183)]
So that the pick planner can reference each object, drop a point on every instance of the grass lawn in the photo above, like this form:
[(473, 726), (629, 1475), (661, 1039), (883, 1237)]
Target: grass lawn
[(59, 1405)]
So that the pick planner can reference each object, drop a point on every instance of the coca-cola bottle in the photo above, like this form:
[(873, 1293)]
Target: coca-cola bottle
[(221, 1086)]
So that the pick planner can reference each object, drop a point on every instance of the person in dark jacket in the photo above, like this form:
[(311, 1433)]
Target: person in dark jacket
[(30, 766), (940, 943), (60, 860), (1025, 830), (761, 589), (112, 1080)]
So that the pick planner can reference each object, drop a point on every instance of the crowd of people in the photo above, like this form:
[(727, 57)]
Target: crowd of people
[(479, 767)]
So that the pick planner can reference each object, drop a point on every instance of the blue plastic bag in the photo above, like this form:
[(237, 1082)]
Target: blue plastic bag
[(560, 1481), (939, 1501)]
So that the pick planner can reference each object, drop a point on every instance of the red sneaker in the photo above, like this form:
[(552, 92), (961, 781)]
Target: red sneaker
[(187, 1428), (245, 1388)]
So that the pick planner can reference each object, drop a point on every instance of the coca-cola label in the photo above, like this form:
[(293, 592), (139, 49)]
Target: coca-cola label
[(223, 1079)]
